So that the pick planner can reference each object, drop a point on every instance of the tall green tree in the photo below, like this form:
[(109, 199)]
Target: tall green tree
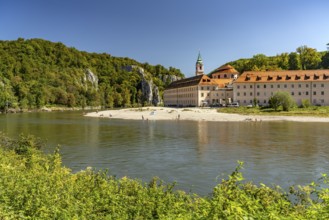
[(294, 61), (283, 61), (309, 58), (325, 61)]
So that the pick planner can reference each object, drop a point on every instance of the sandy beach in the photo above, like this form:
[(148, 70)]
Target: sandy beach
[(196, 114)]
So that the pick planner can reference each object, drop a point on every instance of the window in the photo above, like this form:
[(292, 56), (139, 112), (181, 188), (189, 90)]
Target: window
[(322, 92), (271, 86), (314, 92), (292, 93), (322, 85), (201, 87), (257, 93), (250, 86), (244, 86), (285, 86), (238, 94), (244, 94), (202, 94), (314, 85), (292, 85), (306, 85), (278, 86), (306, 93), (238, 87), (299, 86), (299, 93), (250, 93), (264, 86), (257, 86)]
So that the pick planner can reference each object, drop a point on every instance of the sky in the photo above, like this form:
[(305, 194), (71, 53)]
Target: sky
[(171, 32)]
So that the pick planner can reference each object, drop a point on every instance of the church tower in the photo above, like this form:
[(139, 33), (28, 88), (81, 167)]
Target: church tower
[(199, 66)]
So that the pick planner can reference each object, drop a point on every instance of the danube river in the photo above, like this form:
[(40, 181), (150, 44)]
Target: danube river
[(196, 155)]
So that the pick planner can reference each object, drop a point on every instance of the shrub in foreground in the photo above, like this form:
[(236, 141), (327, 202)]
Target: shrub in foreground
[(35, 185)]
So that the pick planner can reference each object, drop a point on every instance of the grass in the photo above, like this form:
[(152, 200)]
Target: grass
[(315, 111)]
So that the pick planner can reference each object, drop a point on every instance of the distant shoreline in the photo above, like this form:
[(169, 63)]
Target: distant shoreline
[(194, 114)]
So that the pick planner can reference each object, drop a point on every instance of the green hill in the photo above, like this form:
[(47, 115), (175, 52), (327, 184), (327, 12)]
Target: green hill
[(35, 73), (303, 58)]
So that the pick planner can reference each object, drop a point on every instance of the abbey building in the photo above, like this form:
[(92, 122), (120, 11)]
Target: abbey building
[(311, 85), (225, 85), (202, 90)]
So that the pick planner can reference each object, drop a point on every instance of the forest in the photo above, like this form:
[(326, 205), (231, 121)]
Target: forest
[(304, 58), (35, 73)]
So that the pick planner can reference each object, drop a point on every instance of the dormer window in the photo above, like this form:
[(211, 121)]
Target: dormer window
[(306, 77), (297, 77), (269, 77), (258, 78), (288, 77), (279, 77)]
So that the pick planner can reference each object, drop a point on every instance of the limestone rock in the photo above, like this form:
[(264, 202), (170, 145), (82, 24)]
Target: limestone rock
[(92, 78)]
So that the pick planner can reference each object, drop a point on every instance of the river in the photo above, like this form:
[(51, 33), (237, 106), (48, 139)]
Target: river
[(195, 154)]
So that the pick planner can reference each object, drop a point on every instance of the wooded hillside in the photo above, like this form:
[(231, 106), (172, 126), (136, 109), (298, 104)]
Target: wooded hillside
[(36, 73), (304, 58)]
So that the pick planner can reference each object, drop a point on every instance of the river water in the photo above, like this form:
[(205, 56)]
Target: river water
[(195, 154)]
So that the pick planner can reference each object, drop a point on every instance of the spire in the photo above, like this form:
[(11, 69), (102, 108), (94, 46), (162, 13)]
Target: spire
[(199, 66), (199, 60)]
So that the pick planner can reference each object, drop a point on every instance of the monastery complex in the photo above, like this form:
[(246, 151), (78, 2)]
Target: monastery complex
[(226, 86)]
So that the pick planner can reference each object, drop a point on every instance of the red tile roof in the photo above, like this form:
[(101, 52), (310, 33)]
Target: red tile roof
[(283, 76)]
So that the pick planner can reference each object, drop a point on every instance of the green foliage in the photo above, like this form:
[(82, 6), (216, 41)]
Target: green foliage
[(306, 103), (309, 57), (303, 58), (36, 186), (35, 73), (314, 111), (283, 99)]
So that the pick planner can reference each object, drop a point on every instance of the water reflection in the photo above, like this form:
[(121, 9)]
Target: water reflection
[(193, 153)]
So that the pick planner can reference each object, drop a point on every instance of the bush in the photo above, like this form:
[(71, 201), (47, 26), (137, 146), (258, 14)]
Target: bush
[(283, 99), (306, 103)]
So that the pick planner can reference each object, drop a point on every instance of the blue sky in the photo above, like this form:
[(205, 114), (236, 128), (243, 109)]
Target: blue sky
[(171, 32)]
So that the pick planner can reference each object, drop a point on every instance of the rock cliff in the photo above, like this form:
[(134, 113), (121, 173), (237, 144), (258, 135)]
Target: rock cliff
[(150, 91), (91, 78)]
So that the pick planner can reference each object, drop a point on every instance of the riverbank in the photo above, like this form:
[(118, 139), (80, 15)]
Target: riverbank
[(195, 114)]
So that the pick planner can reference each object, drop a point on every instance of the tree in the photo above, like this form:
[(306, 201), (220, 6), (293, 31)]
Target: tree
[(294, 61), (309, 57), (283, 61), (325, 61), (259, 62), (283, 99)]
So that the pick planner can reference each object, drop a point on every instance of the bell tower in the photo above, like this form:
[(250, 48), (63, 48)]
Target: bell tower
[(199, 66)]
